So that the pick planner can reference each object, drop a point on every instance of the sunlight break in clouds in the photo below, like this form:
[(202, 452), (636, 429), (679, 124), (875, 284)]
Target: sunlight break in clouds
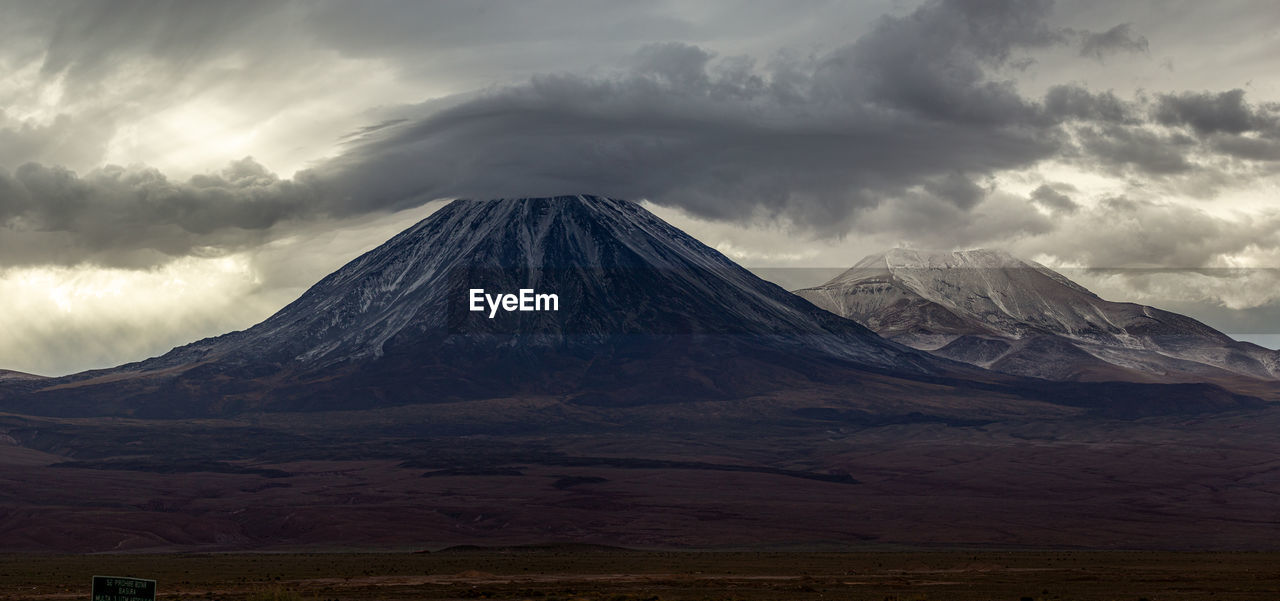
[(68, 307)]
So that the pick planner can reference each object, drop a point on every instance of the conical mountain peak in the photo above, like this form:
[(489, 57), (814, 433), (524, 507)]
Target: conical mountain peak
[(545, 295)]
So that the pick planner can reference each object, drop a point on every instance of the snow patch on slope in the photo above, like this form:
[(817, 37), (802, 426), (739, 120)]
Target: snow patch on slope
[(930, 299)]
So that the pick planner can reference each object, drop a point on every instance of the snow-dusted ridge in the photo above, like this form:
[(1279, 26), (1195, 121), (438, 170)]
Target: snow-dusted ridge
[(992, 309)]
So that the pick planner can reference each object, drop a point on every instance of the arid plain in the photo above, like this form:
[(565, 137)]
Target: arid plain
[(600, 574)]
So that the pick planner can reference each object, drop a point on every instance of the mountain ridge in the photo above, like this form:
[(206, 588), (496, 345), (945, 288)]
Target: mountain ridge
[(991, 309), (646, 316)]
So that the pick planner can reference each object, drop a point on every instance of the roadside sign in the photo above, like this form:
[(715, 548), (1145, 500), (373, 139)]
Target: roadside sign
[(114, 588)]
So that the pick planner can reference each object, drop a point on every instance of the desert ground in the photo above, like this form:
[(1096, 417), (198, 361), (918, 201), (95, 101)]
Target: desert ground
[(586, 573), (322, 482)]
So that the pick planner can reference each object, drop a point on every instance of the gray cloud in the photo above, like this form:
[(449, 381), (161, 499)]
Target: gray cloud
[(1073, 102), (907, 118), (136, 216), (1252, 149), (815, 140), (1115, 40), (1049, 198), (935, 61), (997, 220), (957, 188), (65, 139), (482, 42), (1118, 148), (1208, 113), (916, 114), (87, 41), (489, 37), (794, 132), (1126, 232)]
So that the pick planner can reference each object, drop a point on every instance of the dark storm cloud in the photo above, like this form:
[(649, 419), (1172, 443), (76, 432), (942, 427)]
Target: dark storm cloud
[(917, 114), (1115, 40), (912, 112), (482, 42), (957, 188), (1049, 198), (1119, 148), (1072, 102), (1208, 113), (921, 217), (815, 140), (1253, 149), (679, 65), (119, 216), (1211, 135), (934, 62)]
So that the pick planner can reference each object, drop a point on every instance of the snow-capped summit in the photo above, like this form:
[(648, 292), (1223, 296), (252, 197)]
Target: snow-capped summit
[(992, 309)]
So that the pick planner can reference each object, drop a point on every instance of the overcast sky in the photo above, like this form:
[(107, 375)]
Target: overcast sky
[(173, 170)]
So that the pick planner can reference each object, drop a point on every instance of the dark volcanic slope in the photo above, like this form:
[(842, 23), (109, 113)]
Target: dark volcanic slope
[(991, 309), (617, 269), (646, 314)]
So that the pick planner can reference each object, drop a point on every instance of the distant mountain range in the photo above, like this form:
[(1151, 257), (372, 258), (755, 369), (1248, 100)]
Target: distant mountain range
[(644, 315), (993, 310)]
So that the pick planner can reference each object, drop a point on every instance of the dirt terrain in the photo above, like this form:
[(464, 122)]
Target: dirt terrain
[(566, 573), (300, 482)]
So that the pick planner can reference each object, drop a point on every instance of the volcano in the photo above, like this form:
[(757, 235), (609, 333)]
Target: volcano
[(644, 314)]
